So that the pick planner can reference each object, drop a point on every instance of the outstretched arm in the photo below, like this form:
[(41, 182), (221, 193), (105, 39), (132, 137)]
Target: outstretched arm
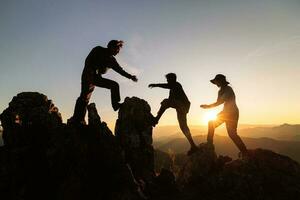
[(121, 71), (161, 85), (219, 101)]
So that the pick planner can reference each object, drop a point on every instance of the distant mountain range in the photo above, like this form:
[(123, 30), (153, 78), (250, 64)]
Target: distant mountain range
[(282, 132), (287, 141)]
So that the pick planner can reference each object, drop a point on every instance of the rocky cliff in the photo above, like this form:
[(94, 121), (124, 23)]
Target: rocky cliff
[(43, 158), (262, 175)]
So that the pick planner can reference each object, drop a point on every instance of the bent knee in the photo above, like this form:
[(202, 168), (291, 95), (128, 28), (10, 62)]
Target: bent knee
[(115, 85), (165, 103), (112, 86)]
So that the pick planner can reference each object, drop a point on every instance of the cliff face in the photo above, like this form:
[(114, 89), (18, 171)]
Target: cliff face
[(263, 175), (45, 159)]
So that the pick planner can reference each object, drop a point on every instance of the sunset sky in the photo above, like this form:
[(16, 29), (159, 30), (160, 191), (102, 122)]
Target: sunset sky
[(255, 43)]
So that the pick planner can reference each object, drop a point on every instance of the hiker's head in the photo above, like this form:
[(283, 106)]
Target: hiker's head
[(171, 77), (114, 46), (220, 80)]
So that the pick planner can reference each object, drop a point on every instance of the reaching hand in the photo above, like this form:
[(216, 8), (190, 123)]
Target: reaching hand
[(151, 85), (134, 78), (205, 106)]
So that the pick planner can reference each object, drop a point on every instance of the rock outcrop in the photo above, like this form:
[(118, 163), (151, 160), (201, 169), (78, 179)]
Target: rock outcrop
[(43, 158), (134, 132), (262, 175)]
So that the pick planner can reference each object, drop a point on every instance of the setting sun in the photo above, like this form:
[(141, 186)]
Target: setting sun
[(210, 115)]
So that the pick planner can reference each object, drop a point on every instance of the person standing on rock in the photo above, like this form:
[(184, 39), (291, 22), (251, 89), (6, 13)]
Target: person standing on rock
[(229, 115), (98, 61), (178, 100)]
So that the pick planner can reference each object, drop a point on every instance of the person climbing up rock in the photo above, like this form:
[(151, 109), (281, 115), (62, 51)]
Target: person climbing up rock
[(97, 63), (178, 100)]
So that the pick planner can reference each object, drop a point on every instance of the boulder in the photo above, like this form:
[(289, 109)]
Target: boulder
[(134, 133), (42, 158), (262, 175)]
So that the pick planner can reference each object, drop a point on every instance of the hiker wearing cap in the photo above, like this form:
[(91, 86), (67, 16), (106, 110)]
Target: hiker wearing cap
[(178, 100), (229, 115), (98, 61)]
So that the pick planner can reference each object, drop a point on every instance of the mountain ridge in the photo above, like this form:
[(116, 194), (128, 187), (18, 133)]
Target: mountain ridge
[(224, 145)]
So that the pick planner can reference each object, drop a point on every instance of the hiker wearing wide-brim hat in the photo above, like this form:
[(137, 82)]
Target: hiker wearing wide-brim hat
[(219, 78), (229, 114)]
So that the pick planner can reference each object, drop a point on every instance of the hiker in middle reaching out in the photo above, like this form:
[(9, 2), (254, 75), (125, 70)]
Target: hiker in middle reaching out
[(178, 100)]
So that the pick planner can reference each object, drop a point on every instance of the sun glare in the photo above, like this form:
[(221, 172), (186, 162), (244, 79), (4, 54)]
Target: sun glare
[(210, 115)]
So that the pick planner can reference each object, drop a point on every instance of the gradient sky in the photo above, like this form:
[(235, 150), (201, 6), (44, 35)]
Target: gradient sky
[(255, 43)]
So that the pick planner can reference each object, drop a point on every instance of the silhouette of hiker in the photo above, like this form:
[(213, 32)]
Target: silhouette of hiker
[(178, 100), (229, 115), (98, 61)]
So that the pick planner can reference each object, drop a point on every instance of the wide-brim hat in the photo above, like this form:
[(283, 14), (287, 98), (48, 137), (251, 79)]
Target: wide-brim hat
[(219, 78)]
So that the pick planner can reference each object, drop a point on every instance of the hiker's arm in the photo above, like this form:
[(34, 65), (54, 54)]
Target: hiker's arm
[(161, 85), (219, 101), (121, 71)]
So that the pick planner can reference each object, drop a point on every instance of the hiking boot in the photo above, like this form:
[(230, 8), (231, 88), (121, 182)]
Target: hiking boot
[(192, 150), (116, 106)]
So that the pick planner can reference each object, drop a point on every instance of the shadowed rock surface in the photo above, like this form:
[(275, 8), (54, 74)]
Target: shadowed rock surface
[(45, 159), (264, 175), (42, 158), (134, 132)]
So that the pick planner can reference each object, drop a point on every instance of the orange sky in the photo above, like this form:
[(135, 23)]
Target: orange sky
[(256, 44)]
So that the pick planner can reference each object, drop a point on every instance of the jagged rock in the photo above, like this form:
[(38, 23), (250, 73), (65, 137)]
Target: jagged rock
[(199, 165), (164, 186), (134, 132), (42, 158), (28, 109), (262, 175), (163, 160)]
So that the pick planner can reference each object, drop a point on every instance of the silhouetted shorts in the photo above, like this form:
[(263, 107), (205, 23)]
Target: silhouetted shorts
[(229, 118), (178, 105), (87, 88)]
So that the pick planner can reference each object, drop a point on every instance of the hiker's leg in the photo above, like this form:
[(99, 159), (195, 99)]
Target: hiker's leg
[(82, 101), (212, 125), (231, 127), (114, 89), (181, 116), (164, 105)]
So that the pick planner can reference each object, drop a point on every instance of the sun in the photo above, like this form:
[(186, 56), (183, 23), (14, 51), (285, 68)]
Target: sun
[(210, 115)]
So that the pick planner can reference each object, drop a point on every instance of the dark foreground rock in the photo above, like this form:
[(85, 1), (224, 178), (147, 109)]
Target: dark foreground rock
[(134, 132), (263, 175), (43, 158)]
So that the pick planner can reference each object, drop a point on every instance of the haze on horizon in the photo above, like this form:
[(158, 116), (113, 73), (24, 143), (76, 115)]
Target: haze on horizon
[(256, 44)]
